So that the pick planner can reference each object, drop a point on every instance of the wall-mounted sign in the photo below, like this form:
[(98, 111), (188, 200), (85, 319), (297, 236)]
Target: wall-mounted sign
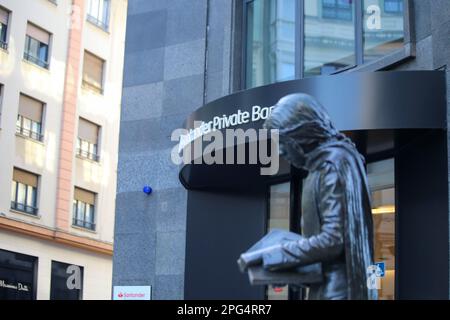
[(226, 121), (132, 293), (355, 101), (381, 268), (369, 101), (15, 286)]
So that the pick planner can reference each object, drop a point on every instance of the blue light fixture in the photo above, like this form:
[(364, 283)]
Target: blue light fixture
[(147, 190)]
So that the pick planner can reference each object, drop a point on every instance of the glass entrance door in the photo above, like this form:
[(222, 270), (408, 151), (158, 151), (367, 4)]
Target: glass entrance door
[(279, 218), (381, 180)]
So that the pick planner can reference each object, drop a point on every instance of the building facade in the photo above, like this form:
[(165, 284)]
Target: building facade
[(61, 67), (184, 238)]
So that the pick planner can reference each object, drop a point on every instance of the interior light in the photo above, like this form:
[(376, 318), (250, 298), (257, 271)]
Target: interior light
[(384, 209)]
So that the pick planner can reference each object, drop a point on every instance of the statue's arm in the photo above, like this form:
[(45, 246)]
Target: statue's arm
[(329, 243)]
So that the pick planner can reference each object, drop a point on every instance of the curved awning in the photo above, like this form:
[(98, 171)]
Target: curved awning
[(355, 101)]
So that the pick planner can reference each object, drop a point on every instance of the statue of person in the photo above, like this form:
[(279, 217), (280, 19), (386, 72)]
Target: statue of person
[(336, 212)]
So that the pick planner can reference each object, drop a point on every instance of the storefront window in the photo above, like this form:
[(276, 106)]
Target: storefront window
[(279, 218), (381, 183), (17, 276), (270, 41), (383, 28), (329, 36), (67, 281)]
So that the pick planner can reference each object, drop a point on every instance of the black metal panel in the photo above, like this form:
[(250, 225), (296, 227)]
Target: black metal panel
[(422, 216), (220, 226), (355, 101)]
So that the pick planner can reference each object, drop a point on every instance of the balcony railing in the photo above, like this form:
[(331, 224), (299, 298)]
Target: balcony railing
[(83, 224), (35, 60), (99, 23), (88, 155), (24, 208), (3, 45), (29, 133)]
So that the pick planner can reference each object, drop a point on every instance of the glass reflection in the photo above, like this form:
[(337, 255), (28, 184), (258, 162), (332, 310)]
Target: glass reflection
[(329, 36), (279, 218), (383, 27), (270, 41), (381, 183)]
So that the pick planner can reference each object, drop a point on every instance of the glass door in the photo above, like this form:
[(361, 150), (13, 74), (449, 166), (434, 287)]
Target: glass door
[(381, 180), (279, 218)]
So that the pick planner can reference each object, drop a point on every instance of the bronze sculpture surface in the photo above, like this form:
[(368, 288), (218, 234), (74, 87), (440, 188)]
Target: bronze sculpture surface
[(336, 223)]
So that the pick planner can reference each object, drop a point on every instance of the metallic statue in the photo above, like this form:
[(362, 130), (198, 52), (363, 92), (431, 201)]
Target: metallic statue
[(337, 228)]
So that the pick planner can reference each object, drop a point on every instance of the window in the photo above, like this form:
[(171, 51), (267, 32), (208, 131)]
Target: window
[(382, 187), (393, 6), (66, 282), (270, 41), (29, 119), (291, 39), (1, 102), (37, 46), (24, 192), (386, 35), (93, 72), (329, 44), (4, 19), (337, 9), (84, 209), (87, 140), (98, 13), (18, 273)]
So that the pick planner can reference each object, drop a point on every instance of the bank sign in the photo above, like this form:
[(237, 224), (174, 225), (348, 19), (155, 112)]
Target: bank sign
[(132, 293), (355, 101), (349, 98), (237, 119)]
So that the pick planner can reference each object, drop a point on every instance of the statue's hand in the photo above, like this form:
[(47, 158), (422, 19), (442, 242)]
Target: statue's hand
[(278, 258), (292, 248)]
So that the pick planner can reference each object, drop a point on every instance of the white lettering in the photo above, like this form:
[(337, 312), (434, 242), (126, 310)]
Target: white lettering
[(74, 280), (187, 310)]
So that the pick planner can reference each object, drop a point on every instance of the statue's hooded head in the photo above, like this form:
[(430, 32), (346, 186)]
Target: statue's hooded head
[(303, 125)]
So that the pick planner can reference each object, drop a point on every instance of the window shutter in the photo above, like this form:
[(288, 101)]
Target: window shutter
[(25, 177), (30, 108), (84, 196), (38, 33), (88, 131), (93, 70), (4, 15)]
